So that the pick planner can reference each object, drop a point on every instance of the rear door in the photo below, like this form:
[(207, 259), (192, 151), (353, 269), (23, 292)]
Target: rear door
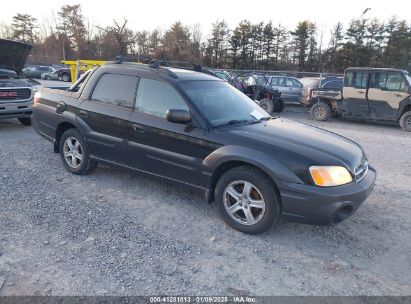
[(355, 93), (105, 116), (161, 147), (387, 90)]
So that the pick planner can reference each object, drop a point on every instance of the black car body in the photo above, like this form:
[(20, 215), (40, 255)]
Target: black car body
[(16, 91), (180, 125)]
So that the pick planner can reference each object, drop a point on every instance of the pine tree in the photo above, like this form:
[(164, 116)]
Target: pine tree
[(23, 28)]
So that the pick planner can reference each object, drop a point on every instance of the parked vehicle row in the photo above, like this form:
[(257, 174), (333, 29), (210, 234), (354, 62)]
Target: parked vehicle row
[(368, 94), (258, 88), (47, 73), (292, 89), (62, 74), (201, 132)]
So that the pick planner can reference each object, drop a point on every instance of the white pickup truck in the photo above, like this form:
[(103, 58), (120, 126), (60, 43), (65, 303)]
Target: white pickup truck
[(16, 91)]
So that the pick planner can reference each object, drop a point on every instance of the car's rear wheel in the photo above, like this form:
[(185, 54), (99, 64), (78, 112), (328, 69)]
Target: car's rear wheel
[(74, 153), (405, 121), (278, 105), (267, 104), (66, 77), (247, 201), (26, 121), (320, 111)]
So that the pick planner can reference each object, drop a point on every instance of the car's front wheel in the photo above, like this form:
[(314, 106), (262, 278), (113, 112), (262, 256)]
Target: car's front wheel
[(246, 200), (74, 153)]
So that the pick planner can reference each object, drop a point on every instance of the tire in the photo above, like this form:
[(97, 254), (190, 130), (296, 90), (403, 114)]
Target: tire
[(278, 106), (66, 77), (267, 104), (81, 164), (26, 121), (262, 191), (320, 111), (405, 121)]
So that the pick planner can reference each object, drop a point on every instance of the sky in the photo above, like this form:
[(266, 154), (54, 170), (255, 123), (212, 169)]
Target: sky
[(148, 15)]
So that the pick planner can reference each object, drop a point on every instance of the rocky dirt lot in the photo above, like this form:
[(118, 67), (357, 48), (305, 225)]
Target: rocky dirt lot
[(120, 233)]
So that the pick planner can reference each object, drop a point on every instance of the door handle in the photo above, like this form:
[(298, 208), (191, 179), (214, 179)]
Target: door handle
[(83, 113), (138, 128)]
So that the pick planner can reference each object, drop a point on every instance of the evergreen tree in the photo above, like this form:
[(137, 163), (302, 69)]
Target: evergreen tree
[(303, 41), (23, 28)]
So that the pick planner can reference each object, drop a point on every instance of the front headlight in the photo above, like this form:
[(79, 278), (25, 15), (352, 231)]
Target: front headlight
[(328, 176), (35, 88)]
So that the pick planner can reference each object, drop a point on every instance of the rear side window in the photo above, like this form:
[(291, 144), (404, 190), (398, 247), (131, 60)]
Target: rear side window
[(155, 98), (116, 90), (389, 82), (356, 79), (292, 83)]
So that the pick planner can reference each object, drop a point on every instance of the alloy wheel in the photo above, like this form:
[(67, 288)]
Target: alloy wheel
[(73, 152), (319, 112), (244, 202)]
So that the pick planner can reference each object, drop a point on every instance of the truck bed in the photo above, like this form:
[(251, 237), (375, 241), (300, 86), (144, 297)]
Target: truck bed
[(330, 94)]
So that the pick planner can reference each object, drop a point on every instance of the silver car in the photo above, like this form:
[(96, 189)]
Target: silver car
[(290, 87)]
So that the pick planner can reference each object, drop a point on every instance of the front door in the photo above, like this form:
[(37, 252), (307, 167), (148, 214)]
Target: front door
[(105, 116), (355, 93), (387, 90), (161, 147), (293, 89)]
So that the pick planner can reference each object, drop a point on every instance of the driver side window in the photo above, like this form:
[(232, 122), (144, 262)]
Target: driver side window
[(155, 98)]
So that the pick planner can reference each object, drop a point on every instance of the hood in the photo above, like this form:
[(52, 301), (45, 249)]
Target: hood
[(13, 54), (317, 146)]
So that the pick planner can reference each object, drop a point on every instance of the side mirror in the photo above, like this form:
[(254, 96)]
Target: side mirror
[(178, 116)]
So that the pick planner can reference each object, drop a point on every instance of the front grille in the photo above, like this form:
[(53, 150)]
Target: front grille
[(15, 94), (361, 170)]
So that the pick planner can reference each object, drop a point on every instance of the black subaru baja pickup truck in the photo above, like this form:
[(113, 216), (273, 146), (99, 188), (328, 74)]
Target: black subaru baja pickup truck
[(198, 131)]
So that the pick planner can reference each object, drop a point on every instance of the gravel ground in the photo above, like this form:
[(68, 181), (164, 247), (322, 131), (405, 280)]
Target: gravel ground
[(120, 233)]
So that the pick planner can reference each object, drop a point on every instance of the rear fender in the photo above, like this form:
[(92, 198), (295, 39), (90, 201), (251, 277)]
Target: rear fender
[(405, 105)]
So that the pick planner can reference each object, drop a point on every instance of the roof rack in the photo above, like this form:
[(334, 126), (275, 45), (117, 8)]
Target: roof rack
[(184, 65), (160, 64)]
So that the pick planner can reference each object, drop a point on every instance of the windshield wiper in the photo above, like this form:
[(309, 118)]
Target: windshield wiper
[(262, 119), (233, 122)]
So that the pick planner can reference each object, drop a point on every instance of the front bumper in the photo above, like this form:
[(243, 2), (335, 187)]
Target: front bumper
[(16, 109), (322, 205)]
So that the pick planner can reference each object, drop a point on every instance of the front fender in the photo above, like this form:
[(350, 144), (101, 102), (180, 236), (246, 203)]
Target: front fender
[(276, 170)]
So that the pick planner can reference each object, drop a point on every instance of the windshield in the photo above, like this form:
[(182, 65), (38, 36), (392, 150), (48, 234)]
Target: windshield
[(221, 103), (80, 82)]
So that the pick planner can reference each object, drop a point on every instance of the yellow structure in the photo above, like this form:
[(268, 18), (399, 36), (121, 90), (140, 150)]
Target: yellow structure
[(81, 65)]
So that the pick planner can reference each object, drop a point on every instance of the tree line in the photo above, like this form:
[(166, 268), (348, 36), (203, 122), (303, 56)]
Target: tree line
[(257, 46)]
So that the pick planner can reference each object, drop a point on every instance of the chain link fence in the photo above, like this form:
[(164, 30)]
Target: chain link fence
[(296, 74)]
